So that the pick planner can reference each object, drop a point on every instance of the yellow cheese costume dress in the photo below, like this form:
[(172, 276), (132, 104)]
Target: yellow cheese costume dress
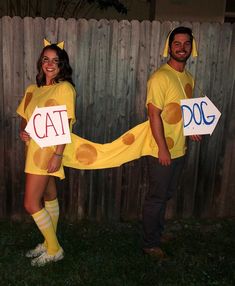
[(61, 93), (137, 142)]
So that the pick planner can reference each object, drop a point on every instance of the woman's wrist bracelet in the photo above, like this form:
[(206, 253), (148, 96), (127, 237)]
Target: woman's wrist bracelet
[(58, 155)]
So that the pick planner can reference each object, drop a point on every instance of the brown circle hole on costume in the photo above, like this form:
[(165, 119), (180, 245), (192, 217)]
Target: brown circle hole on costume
[(86, 154), (51, 102), (28, 98), (172, 113), (188, 90), (42, 156), (170, 142), (128, 139)]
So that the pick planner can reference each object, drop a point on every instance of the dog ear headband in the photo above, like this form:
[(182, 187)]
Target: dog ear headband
[(166, 48), (60, 44)]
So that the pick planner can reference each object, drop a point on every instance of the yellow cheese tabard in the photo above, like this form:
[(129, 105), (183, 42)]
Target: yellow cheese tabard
[(61, 93)]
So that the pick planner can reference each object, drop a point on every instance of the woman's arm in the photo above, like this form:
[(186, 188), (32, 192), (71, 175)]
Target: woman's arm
[(56, 159), (24, 136)]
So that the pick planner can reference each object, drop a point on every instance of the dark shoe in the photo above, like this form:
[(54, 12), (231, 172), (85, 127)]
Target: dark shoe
[(155, 252), (167, 237)]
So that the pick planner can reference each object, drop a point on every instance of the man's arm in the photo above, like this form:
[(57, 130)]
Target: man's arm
[(157, 129)]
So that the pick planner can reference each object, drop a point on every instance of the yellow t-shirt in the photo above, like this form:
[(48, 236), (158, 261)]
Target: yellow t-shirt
[(62, 93), (166, 87)]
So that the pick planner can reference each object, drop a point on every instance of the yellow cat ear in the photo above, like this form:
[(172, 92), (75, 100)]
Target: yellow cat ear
[(46, 43), (61, 45)]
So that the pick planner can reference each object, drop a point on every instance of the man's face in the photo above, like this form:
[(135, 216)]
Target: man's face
[(181, 48)]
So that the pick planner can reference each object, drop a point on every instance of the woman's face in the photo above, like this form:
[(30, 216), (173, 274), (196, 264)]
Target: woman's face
[(50, 67)]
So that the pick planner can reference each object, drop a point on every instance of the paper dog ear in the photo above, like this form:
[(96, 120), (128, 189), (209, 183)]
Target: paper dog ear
[(166, 47), (194, 48)]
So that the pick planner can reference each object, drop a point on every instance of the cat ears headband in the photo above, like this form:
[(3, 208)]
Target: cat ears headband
[(60, 44), (166, 48)]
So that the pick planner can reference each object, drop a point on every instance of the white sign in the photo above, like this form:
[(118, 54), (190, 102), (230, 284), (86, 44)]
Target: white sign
[(49, 126), (200, 116)]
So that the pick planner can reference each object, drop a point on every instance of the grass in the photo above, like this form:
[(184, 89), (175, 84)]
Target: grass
[(110, 254)]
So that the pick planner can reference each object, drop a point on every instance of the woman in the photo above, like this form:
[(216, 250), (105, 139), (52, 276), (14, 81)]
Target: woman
[(54, 87)]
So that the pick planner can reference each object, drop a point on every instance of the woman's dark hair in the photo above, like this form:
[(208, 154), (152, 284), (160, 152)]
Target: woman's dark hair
[(180, 30), (65, 73)]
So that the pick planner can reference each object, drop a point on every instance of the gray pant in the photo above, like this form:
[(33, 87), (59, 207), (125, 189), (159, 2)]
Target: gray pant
[(163, 181)]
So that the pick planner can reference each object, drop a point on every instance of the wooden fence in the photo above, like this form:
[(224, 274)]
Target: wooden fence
[(112, 61)]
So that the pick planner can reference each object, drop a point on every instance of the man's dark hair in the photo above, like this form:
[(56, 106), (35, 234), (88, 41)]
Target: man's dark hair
[(65, 73), (180, 30)]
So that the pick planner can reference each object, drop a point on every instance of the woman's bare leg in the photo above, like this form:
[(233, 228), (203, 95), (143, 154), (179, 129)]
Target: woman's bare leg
[(34, 191), (51, 201), (36, 186), (50, 193)]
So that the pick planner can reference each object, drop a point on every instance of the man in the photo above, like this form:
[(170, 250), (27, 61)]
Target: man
[(166, 87)]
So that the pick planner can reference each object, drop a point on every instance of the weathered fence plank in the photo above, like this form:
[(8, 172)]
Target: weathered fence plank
[(2, 136), (7, 67), (225, 200)]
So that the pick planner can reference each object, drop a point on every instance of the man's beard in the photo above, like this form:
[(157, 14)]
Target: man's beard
[(179, 59)]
